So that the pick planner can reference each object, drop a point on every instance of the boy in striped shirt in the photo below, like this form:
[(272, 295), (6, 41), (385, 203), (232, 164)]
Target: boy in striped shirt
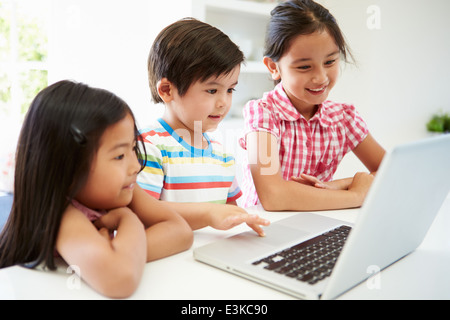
[(193, 69), (180, 172)]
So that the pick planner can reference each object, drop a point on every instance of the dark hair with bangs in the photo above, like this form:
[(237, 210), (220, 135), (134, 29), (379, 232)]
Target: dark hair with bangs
[(300, 17), (187, 51), (59, 138)]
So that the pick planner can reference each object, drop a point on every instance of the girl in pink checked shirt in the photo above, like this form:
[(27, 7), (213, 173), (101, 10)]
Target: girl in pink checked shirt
[(295, 137)]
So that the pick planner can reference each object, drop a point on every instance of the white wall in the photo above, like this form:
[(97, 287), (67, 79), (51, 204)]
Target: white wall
[(105, 43), (402, 76)]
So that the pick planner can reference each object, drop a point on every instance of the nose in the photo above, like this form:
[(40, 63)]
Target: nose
[(134, 165), (223, 101), (319, 76)]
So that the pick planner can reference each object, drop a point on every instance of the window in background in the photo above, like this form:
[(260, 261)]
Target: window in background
[(23, 53), (23, 70)]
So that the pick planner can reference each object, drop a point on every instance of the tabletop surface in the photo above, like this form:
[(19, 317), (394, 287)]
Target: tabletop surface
[(422, 274)]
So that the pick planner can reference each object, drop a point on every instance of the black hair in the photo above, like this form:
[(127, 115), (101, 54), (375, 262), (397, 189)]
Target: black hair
[(187, 51), (300, 17)]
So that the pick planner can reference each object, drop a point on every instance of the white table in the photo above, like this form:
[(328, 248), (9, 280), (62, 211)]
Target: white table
[(421, 275)]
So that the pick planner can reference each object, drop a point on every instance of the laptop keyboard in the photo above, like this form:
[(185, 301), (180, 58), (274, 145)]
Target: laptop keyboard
[(310, 261)]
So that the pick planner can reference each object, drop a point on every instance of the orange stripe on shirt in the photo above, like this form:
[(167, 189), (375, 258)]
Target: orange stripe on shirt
[(154, 133), (153, 194)]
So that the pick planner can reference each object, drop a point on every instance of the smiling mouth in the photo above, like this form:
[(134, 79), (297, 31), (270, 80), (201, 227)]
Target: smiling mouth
[(216, 117), (317, 91), (130, 186)]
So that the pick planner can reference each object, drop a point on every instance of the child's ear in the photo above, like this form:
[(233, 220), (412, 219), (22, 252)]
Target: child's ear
[(165, 89), (273, 68)]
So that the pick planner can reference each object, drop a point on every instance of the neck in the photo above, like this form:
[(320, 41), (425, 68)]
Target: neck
[(192, 136), (307, 111)]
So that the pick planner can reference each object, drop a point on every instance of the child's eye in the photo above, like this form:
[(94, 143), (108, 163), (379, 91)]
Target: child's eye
[(119, 157), (231, 90), (304, 67), (211, 91), (330, 62)]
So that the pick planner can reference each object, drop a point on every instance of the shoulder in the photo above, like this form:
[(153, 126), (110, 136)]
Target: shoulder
[(255, 110), (266, 104), (218, 152), (154, 133), (337, 112), (73, 225), (347, 118), (73, 213), (334, 108), (157, 140), (261, 114)]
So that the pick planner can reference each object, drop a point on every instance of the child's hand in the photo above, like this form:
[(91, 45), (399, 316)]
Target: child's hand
[(313, 181), (342, 184), (361, 184), (110, 221), (225, 217)]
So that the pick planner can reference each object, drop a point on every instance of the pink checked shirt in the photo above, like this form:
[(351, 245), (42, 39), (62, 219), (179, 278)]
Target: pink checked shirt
[(314, 147)]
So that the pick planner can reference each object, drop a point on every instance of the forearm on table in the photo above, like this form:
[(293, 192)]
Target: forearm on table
[(197, 215), (167, 238), (341, 184), (290, 195), (166, 230)]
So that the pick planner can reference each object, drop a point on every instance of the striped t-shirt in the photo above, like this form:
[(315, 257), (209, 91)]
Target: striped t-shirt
[(176, 171)]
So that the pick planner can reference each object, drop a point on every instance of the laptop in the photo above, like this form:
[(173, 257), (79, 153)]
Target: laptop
[(310, 256)]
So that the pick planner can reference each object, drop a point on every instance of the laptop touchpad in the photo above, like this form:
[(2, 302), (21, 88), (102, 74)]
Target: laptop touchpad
[(276, 235)]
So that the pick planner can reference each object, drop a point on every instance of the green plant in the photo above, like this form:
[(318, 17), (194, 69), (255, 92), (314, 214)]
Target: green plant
[(439, 123)]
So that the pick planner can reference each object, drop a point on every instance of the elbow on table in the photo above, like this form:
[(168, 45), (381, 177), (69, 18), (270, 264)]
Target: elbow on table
[(184, 235), (121, 285), (270, 205), (270, 200), (187, 237)]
